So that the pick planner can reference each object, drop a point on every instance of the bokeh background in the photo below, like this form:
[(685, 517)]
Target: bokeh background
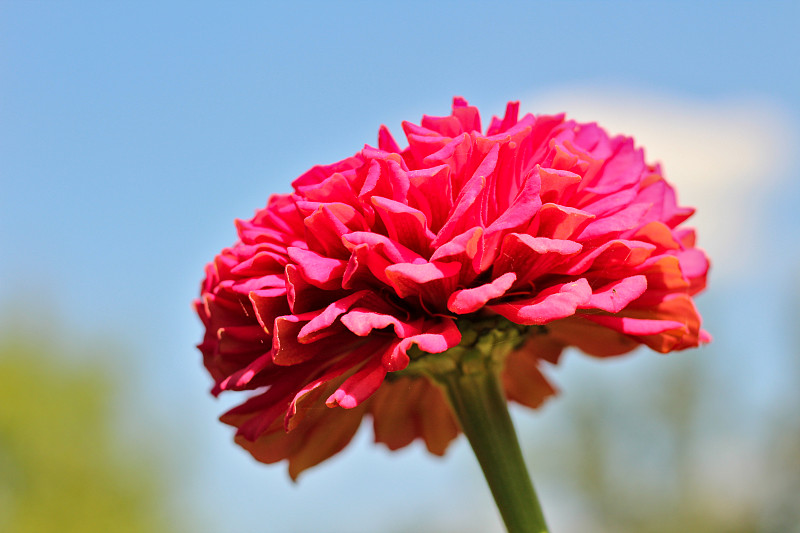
[(133, 134)]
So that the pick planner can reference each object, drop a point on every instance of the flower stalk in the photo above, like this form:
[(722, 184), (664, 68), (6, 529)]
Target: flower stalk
[(478, 402), (469, 375)]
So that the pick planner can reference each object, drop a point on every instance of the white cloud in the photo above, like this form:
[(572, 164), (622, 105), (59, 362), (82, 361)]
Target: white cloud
[(723, 156)]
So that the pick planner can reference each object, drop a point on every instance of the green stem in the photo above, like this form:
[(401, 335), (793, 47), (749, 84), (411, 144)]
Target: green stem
[(481, 408)]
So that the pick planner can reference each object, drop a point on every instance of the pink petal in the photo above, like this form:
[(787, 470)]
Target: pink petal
[(635, 326), (623, 169), (470, 300), (464, 248), (509, 120), (383, 245), (323, 272), (530, 257), (694, 263), (432, 193), (405, 224), (454, 153), (362, 321), (326, 226), (386, 142), (387, 178), (629, 218), (615, 296), (467, 115), (328, 316), (335, 188), (435, 339), (408, 279), (445, 126), (364, 268), (559, 301), (613, 254), (519, 214), (267, 304), (318, 173)]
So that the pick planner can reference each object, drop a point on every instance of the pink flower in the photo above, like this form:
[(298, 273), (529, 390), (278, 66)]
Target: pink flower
[(543, 221)]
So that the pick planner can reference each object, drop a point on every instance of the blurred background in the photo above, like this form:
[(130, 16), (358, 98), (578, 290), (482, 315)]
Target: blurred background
[(133, 134)]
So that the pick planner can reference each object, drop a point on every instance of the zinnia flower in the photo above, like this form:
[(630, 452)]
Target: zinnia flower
[(372, 266)]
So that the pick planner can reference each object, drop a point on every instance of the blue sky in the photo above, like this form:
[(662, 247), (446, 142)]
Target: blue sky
[(132, 134)]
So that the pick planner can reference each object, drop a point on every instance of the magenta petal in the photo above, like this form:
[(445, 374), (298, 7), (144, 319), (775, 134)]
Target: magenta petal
[(629, 218), (327, 224), (623, 169), (470, 300), (559, 301), (407, 279), (405, 224), (385, 140), (467, 210), (615, 296), (530, 256), (465, 248), (391, 250), (454, 153), (516, 217), (694, 263), (328, 316), (613, 254), (321, 271), (362, 321), (431, 192)]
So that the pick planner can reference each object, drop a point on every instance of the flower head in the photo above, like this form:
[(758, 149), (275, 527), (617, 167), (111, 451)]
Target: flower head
[(385, 259)]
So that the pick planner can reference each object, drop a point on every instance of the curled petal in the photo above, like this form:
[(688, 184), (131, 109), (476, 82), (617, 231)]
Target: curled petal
[(311, 330), (437, 338), (363, 321), (559, 301), (470, 300)]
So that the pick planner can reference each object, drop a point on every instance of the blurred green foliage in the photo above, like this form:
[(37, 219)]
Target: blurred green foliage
[(60, 468)]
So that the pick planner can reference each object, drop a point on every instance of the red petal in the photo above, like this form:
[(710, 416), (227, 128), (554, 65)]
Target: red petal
[(359, 386)]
